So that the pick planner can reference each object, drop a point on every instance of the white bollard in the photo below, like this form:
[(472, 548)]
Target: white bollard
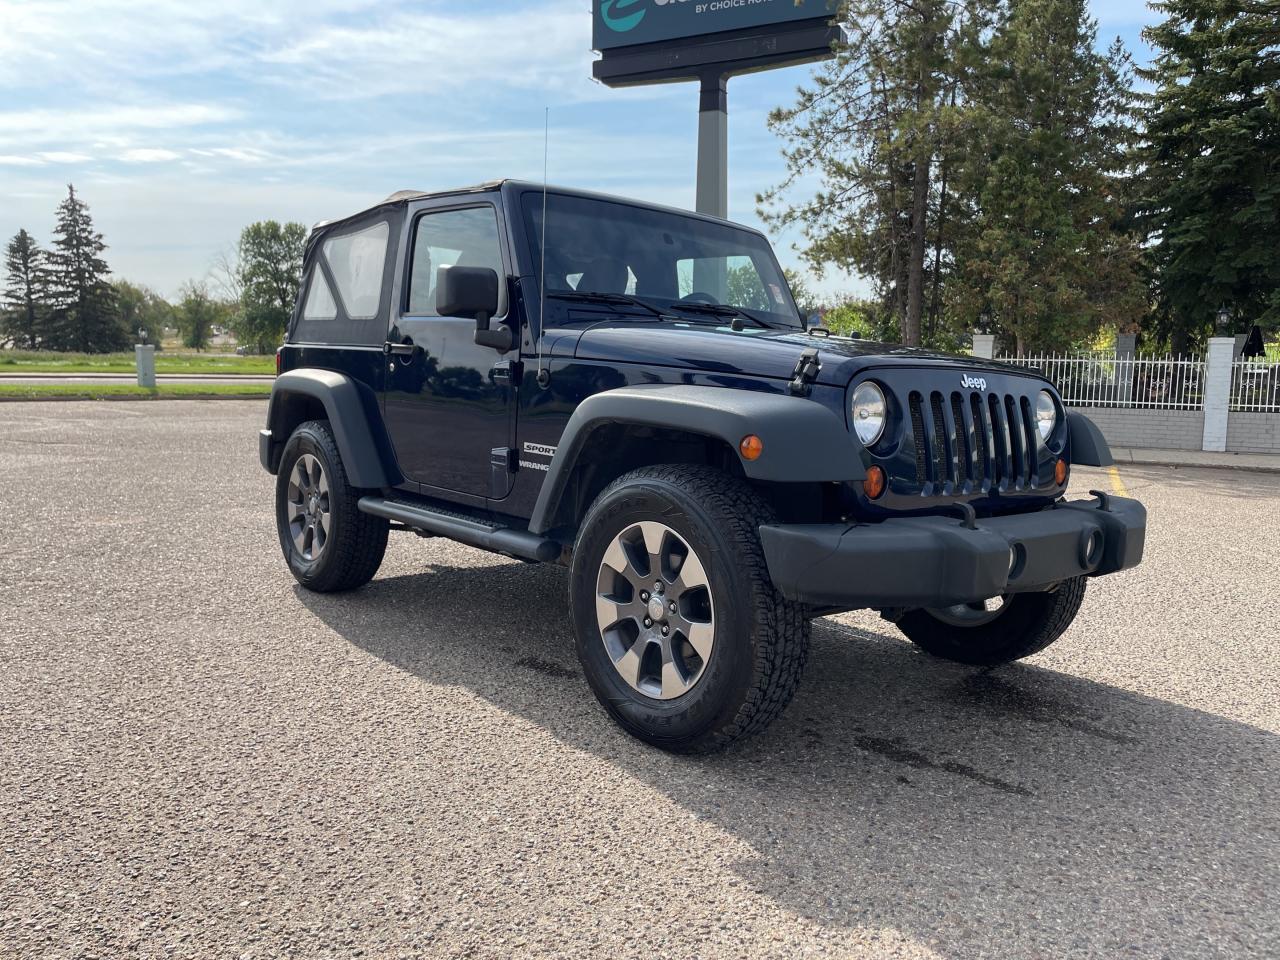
[(146, 358)]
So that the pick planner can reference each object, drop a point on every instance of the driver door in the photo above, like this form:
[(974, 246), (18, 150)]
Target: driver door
[(449, 404)]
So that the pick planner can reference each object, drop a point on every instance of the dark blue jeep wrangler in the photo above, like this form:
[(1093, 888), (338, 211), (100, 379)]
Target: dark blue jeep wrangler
[(630, 391)]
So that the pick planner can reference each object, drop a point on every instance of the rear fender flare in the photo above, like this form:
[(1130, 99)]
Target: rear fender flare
[(804, 441), (352, 411)]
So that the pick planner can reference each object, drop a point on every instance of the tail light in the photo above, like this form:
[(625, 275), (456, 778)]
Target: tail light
[(279, 360)]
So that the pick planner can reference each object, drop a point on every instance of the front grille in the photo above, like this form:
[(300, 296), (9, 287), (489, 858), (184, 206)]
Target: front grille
[(964, 444)]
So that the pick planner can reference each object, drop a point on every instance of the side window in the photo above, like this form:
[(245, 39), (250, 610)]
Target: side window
[(320, 304), (467, 238), (357, 261)]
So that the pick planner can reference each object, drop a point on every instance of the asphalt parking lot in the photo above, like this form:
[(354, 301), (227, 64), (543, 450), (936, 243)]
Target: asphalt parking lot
[(199, 760)]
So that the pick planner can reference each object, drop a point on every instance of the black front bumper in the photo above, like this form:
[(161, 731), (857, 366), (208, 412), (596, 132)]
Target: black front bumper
[(940, 561)]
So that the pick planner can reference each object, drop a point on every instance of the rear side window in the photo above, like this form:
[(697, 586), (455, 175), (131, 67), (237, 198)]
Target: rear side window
[(319, 305), (357, 261), (349, 273), (467, 238)]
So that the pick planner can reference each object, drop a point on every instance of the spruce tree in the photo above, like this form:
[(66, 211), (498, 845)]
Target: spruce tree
[(85, 317), (1210, 153), (24, 309), (1046, 255)]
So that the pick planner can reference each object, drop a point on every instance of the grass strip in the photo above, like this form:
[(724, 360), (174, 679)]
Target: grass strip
[(123, 391), (167, 361)]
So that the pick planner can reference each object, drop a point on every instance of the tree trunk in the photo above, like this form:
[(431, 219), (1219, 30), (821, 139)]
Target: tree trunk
[(944, 168), (915, 269), (935, 305)]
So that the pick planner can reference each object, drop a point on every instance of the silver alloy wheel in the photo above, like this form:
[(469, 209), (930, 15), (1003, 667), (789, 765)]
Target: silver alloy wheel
[(971, 614), (655, 611), (309, 521)]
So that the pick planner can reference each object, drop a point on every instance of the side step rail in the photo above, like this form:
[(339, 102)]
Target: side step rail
[(515, 543)]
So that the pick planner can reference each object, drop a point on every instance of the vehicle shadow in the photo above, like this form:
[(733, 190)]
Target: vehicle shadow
[(954, 805)]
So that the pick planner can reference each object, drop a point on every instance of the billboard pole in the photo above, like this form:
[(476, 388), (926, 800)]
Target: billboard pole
[(712, 193), (665, 41)]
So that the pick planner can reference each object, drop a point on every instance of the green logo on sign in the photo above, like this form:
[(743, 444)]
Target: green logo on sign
[(622, 22)]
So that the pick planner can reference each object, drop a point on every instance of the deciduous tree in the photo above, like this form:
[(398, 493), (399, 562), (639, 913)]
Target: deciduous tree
[(197, 315), (878, 130), (141, 308), (270, 272)]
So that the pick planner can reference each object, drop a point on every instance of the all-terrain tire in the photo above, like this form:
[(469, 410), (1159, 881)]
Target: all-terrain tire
[(761, 639), (1027, 624), (355, 541)]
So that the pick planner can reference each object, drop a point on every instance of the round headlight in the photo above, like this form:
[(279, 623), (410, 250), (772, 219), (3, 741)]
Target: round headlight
[(1046, 414), (869, 413)]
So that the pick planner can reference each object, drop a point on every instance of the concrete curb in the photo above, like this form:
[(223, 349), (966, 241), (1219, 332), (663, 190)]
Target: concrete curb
[(1251, 462)]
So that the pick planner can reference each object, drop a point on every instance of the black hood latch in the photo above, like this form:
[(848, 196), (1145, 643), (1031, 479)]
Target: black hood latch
[(805, 373)]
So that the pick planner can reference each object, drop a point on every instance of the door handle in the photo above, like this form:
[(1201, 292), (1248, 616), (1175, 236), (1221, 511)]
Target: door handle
[(405, 348)]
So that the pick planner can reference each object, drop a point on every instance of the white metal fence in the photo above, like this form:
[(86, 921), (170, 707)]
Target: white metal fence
[(1255, 386), (1104, 380)]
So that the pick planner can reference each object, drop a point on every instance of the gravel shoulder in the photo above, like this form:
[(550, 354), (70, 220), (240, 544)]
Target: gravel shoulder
[(198, 759)]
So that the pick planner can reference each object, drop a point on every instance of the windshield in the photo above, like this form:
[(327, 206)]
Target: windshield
[(598, 246)]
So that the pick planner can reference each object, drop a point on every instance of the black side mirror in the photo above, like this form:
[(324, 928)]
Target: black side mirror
[(472, 292)]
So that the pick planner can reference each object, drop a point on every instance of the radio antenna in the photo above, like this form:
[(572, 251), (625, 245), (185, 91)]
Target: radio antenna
[(544, 375)]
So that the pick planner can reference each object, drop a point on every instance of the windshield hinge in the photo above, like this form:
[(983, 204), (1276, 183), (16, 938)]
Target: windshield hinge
[(806, 372)]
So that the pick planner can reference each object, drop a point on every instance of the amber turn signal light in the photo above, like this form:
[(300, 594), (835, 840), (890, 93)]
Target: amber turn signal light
[(1060, 473), (874, 485), (751, 447)]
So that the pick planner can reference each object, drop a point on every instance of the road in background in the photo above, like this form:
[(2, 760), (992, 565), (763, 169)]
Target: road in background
[(127, 378), (197, 758)]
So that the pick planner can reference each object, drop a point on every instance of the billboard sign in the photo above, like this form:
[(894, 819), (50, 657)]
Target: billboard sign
[(626, 23)]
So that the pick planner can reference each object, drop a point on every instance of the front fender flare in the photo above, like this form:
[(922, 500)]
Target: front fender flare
[(804, 442), (352, 411), (1089, 447)]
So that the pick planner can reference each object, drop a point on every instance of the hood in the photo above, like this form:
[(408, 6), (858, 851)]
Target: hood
[(752, 351)]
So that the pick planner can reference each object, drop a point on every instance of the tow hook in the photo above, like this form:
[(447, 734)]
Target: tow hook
[(1104, 500), (969, 516)]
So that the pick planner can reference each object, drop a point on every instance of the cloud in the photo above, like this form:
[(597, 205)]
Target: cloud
[(62, 126), (149, 155), (9, 160), (63, 156), (428, 53)]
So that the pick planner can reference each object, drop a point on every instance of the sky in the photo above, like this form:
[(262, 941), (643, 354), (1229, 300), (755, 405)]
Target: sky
[(180, 123)]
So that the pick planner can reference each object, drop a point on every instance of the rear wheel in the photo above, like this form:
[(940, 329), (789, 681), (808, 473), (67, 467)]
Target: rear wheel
[(681, 634), (997, 631), (328, 543)]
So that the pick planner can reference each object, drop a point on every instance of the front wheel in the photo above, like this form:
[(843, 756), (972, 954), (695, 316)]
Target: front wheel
[(997, 631), (681, 633), (328, 543)]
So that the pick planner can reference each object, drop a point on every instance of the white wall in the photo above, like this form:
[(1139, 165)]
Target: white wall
[(1149, 429)]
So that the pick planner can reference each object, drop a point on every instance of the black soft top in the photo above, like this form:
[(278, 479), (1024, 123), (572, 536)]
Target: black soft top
[(403, 197)]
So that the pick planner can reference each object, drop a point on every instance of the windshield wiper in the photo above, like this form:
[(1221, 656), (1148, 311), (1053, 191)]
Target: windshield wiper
[(725, 310), (615, 299)]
